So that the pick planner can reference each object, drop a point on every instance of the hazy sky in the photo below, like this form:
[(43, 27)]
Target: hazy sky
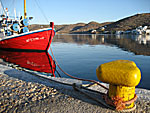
[(75, 11)]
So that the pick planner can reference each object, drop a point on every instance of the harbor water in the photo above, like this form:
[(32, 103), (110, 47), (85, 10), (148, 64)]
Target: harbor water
[(80, 55)]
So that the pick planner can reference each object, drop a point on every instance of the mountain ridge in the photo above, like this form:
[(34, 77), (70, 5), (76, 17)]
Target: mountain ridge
[(124, 24)]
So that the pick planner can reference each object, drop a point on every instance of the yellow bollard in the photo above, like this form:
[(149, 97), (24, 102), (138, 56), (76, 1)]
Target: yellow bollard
[(122, 76)]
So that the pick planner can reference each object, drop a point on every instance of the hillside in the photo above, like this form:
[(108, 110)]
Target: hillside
[(69, 28), (127, 23), (72, 28), (91, 25), (131, 22)]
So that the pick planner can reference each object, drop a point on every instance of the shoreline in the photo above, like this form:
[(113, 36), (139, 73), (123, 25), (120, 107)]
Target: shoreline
[(24, 92)]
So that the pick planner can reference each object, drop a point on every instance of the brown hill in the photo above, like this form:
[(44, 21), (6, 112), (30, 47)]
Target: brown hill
[(79, 27), (131, 22), (72, 28), (91, 25), (128, 23), (68, 28)]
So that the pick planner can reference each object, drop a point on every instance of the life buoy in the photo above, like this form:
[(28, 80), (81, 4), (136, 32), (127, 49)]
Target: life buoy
[(25, 22), (15, 27), (24, 30)]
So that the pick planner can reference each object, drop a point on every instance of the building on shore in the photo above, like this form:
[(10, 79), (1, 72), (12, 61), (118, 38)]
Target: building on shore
[(141, 30), (138, 31), (119, 32)]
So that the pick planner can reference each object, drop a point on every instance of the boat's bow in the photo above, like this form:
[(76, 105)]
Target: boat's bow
[(33, 40)]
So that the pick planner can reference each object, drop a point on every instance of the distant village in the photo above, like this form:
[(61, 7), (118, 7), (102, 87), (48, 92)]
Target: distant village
[(138, 31)]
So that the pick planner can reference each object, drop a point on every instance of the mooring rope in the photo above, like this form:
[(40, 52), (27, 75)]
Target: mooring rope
[(106, 102), (73, 76)]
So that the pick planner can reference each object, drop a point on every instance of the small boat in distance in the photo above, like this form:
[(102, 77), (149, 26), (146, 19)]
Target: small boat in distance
[(16, 34)]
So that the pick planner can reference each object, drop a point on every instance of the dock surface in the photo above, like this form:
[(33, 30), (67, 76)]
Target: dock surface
[(24, 92)]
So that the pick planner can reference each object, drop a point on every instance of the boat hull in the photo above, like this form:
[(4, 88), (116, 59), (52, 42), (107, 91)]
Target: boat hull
[(35, 40)]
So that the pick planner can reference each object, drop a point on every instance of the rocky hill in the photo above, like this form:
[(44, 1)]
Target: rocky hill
[(131, 22), (127, 23), (69, 28), (72, 28)]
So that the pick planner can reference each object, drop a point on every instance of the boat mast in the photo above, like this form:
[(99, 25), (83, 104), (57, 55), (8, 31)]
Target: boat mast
[(25, 13), (15, 13), (1, 4)]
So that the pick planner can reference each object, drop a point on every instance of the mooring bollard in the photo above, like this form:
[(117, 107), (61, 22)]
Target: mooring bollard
[(122, 76)]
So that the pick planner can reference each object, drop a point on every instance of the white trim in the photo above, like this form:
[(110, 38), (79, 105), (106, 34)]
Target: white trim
[(30, 32)]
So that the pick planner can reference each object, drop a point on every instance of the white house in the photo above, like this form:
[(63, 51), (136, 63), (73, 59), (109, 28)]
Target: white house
[(93, 31), (119, 32), (141, 30)]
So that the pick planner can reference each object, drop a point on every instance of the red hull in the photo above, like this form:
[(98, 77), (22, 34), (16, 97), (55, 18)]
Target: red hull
[(35, 40), (36, 61)]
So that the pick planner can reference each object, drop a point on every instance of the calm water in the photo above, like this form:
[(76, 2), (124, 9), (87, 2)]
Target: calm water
[(80, 55)]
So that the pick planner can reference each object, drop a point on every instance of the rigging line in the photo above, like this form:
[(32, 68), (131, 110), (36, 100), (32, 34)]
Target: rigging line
[(42, 11), (12, 6), (2, 6)]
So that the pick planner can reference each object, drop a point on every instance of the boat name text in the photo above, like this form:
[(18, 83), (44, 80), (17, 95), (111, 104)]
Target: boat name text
[(34, 39)]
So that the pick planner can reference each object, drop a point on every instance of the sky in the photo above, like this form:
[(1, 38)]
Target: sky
[(77, 11)]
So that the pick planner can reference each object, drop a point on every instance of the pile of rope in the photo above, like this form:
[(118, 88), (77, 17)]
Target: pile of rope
[(117, 102)]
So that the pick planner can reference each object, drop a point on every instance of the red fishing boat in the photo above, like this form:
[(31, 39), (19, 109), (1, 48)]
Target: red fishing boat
[(35, 40), (30, 60), (16, 34)]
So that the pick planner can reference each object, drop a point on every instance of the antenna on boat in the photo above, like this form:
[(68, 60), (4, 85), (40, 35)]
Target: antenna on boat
[(25, 13)]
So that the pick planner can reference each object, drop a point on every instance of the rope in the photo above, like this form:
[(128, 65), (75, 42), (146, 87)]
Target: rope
[(110, 103), (3, 6), (104, 103), (76, 77), (42, 11), (95, 99), (118, 102), (12, 6)]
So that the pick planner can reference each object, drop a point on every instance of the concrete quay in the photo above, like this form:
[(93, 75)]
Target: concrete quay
[(23, 92)]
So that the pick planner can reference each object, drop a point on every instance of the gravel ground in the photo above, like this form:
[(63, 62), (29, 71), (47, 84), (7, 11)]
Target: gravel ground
[(23, 92), (15, 92)]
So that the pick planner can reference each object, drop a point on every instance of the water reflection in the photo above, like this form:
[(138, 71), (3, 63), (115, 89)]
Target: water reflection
[(145, 40), (74, 51), (80, 39), (139, 44), (36, 61)]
